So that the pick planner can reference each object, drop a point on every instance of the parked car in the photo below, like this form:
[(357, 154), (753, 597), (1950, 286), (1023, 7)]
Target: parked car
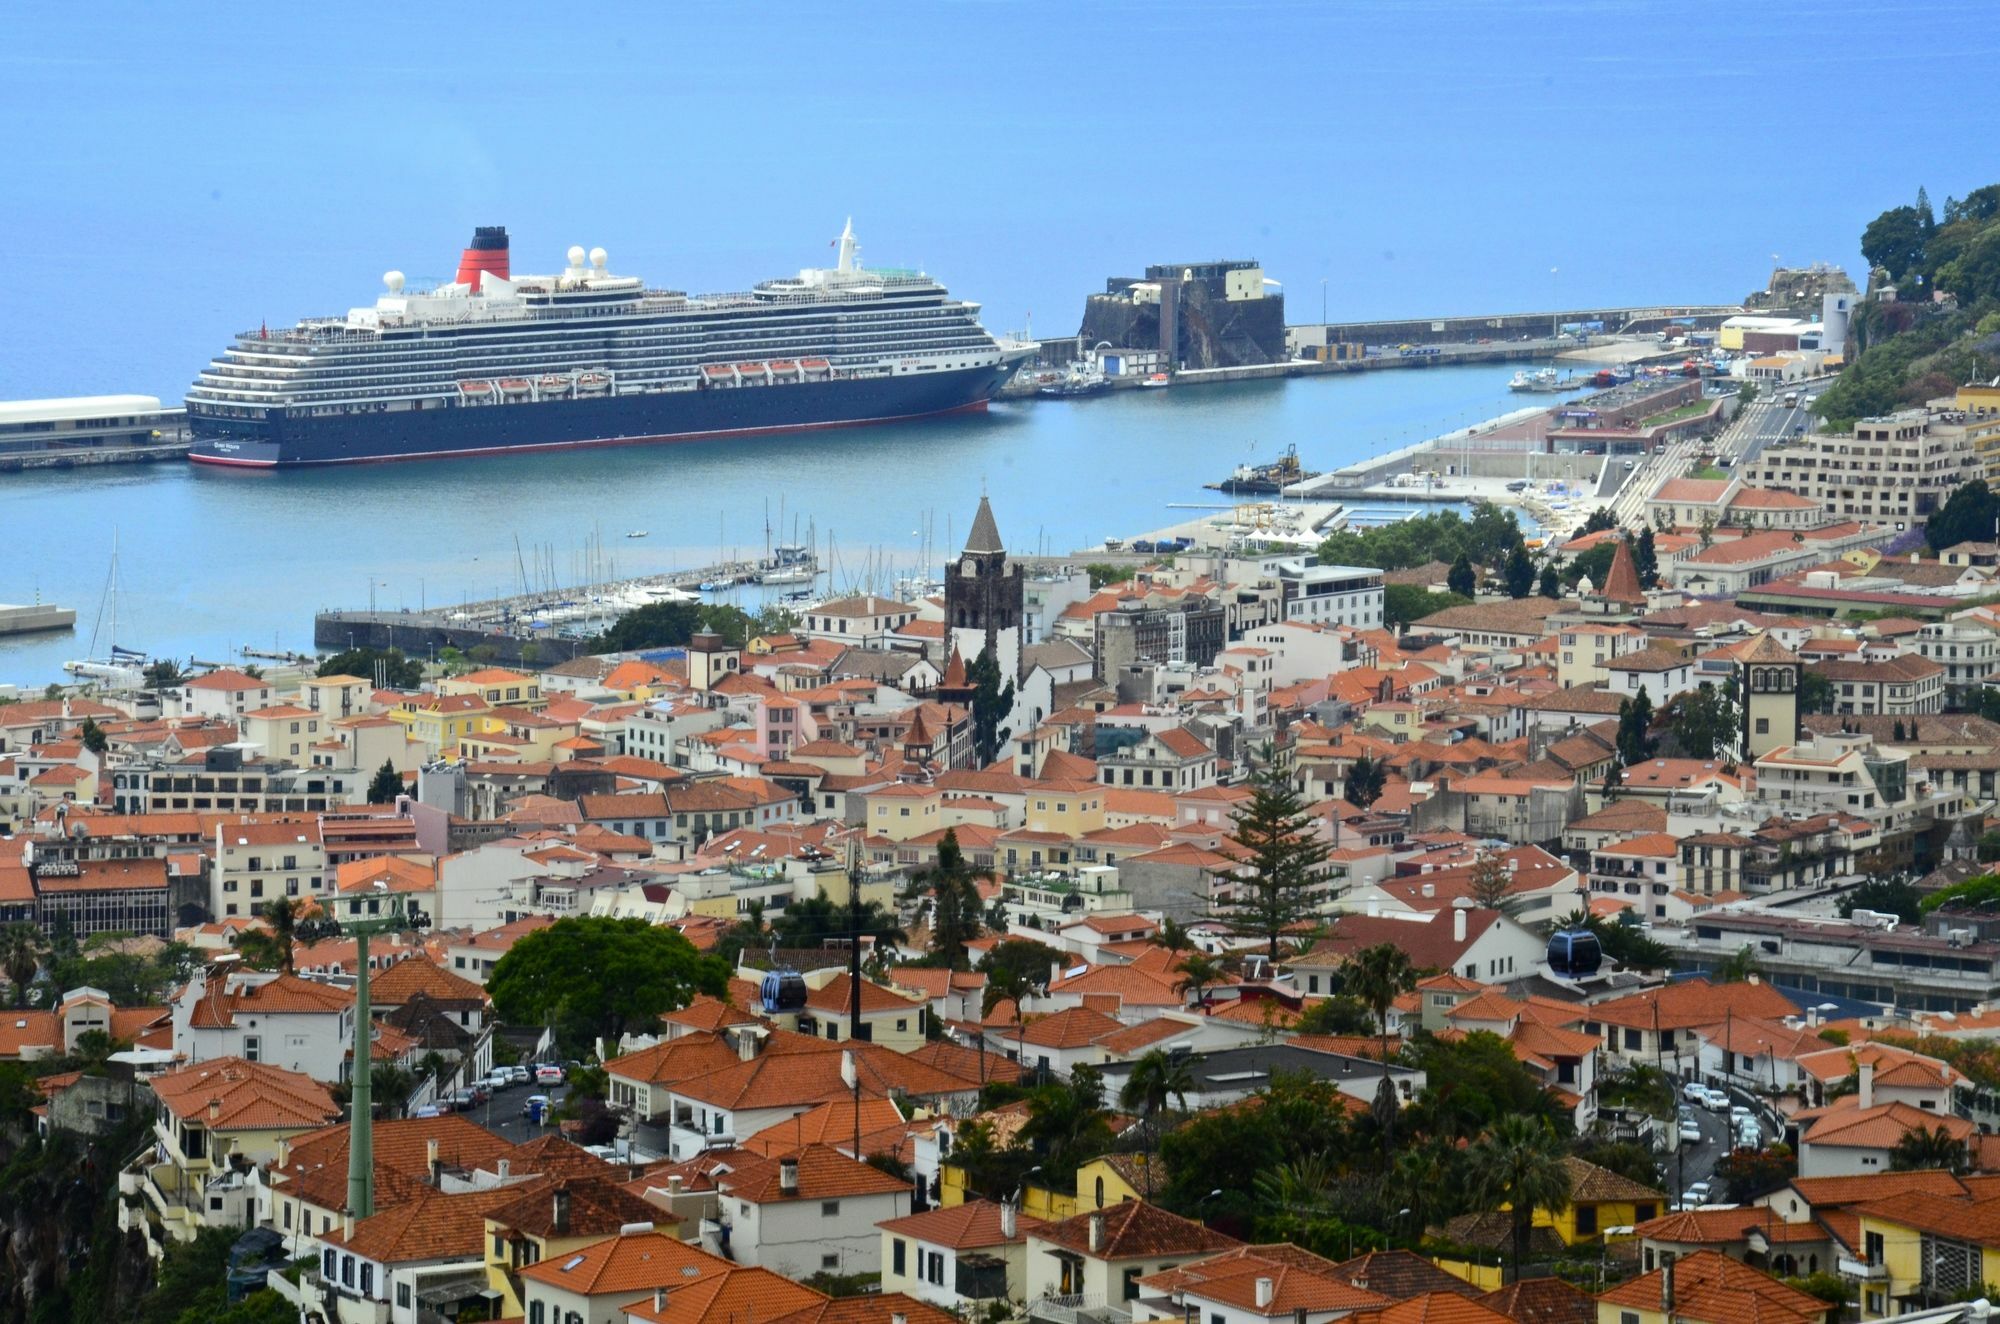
[(1696, 1194), (1694, 1092), (1749, 1135), (536, 1106), (1716, 1101), (519, 1074), (464, 1100), (497, 1079), (1738, 1114), (1691, 1132), (548, 1073)]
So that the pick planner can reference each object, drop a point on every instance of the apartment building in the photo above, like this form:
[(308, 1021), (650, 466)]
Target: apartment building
[(1897, 469)]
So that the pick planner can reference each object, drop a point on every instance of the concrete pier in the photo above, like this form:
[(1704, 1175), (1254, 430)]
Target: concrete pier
[(36, 618)]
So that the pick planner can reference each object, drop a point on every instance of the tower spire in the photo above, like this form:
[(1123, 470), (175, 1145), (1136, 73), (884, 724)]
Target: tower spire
[(985, 535)]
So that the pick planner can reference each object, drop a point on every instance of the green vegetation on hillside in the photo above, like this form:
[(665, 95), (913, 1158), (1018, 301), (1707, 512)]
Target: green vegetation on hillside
[(1915, 349)]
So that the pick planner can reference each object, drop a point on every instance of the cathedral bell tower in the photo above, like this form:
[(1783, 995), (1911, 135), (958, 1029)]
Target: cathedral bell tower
[(1767, 686), (984, 599)]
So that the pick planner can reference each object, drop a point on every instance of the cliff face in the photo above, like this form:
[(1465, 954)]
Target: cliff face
[(61, 1254), (1212, 332)]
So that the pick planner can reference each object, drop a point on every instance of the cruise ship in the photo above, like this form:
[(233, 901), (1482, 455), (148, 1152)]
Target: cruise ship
[(495, 362)]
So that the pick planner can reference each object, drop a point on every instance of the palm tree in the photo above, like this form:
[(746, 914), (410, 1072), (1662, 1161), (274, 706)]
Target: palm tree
[(1928, 1147), (1519, 1164), (272, 950), (1379, 975), (20, 958), (1424, 1179), (1173, 935), (748, 934), (1199, 973), (1741, 965), (1067, 1125), (1155, 1078)]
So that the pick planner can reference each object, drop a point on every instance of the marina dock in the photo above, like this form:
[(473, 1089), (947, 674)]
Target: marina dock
[(35, 618)]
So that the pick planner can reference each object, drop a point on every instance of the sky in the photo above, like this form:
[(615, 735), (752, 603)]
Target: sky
[(175, 175)]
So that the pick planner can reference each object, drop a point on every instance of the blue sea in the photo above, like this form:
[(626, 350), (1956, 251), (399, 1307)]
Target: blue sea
[(172, 181)]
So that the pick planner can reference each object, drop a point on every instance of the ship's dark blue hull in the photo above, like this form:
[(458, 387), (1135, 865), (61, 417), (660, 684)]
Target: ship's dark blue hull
[(284, 440)]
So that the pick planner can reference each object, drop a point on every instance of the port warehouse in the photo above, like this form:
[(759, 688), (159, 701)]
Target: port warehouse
[(87, 422)]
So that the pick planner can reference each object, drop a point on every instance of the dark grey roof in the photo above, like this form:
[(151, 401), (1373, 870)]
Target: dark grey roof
[(985, 535)]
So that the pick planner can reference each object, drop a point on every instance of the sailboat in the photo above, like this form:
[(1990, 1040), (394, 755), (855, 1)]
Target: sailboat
[(121, 667)]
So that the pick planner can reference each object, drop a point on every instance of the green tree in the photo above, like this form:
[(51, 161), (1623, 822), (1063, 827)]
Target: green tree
[(1550, 585), (750, 933), (1895, 241), (992, 701), (1635, 725), (271, 948), (398, 672), (1199, 972), (1929, 1147), (1815, 692), (1595, 564), (1968, 516), (385, 785), (1405, 604), (1645, 559), (1017, 968), (1746, 393), (1102, 574), (1173, 935), (636, 971), (1340, 1014), (1155, 1079), (93, 737), (163, 674), (952, 886), (1520, 573), (1600, 520), (1378, 975), (1067, 1125), (1280, 854), (1740, 965), (1891, 896), (1519, 1165), (656, 625), (818, 920), (21, 950), (1461, 580), (1490, 879), (1365, 779), (1704, 721)]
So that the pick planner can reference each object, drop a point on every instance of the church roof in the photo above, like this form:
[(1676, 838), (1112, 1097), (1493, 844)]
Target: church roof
[(954, 672), (985, 536), (1621, 584)]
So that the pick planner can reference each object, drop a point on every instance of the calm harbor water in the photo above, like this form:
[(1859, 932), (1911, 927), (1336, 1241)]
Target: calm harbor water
[(211, 562)]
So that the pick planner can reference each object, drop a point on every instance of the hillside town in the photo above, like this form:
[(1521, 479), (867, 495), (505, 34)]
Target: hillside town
[(1211, 935)]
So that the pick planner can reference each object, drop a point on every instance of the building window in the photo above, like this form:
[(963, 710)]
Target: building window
[(897, 1259), (831, 1263), (402, 1296), (829, 1209)]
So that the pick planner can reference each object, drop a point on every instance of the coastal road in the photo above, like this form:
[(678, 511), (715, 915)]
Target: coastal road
[(1768, 418)]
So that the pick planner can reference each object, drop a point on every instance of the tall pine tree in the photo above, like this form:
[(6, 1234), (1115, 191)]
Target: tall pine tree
[(1280, 854), (992, 700)]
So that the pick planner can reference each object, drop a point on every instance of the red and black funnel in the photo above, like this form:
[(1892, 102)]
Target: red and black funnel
[(486, 252)]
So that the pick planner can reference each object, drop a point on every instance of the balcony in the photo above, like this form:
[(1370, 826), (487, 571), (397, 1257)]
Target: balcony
[(1072, 1308), (1864, 1270)]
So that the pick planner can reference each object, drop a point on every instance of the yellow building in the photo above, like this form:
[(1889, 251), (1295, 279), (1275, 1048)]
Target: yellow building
[(1069, 808), (1981, 405), (551, 1222), (1586, 648), (1924, 1247), (499, 687), (439, 722), (1600, 1199), (903, 811)]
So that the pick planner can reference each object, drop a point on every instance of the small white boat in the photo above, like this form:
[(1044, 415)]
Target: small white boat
[(637, 533)]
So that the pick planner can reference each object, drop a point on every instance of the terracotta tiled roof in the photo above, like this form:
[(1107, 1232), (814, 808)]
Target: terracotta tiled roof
[(432, 1225), (830, 1123), (230, 1094), (592, 1207), (966, 1063), (1073, 1027), (870, 1308), (416, 974), (1711, 1288), (1688, 1003), (400, 1147), (1833, 1192), (824, 1173), (1400, 1275), (1542, 1301), (1880, 1127), (730, 1294), (1133, 1230), (1298, 1280), (1433, 1308), (628, 1265), (965, 1226)]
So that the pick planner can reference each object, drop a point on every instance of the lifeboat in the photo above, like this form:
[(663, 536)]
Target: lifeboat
[(554, 385), (784, 368), (593, 381), (752, 370), (514, 386), (816, 366), (476, 388), (718, 374)]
